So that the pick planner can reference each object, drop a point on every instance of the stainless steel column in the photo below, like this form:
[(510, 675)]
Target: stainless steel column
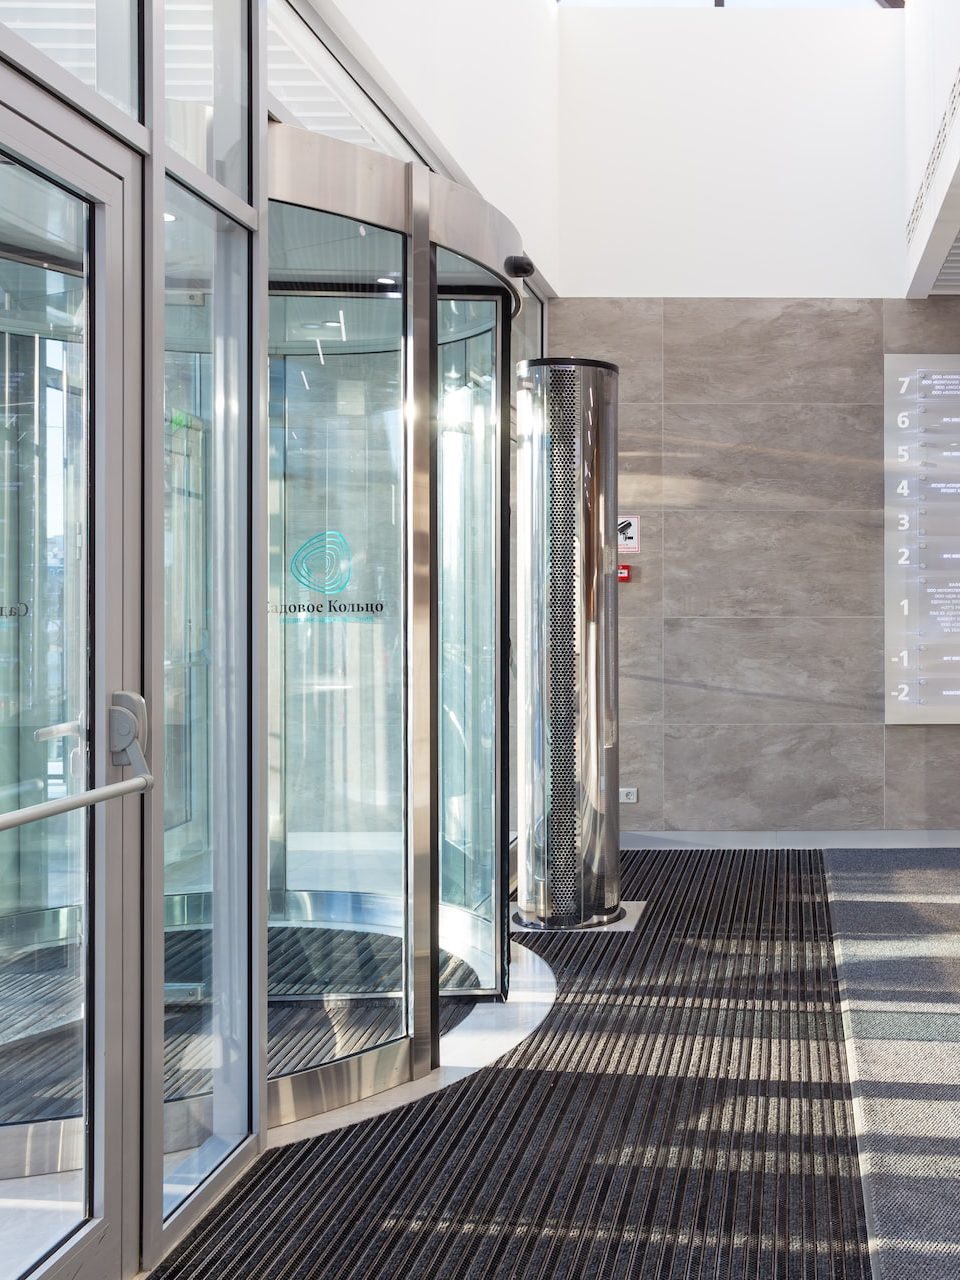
[(568, 857)]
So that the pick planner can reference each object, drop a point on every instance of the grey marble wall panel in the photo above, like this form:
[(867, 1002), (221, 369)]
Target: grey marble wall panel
[(772, 564), (641, 671), (751, 669), (627, 331), (639, 441), (773, 670), (763, 777), (923, 776), (798, 350), (921, 324), (641, 766), (773, 455)]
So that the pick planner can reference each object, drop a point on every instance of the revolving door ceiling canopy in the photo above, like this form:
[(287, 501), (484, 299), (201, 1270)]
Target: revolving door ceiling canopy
[(388, 401)]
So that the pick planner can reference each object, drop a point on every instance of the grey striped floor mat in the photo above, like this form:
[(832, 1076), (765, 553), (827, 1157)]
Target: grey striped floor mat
[(42, 1042), (682, 1112)]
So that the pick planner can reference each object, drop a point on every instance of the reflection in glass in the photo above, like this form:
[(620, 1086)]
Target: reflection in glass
[(468, 482), (336, 969), (305, 76), (206, 82), (206, 1085), (96, 40), (44, 666)]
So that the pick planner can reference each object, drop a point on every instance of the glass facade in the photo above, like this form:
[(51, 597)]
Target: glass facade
[(45, 907), (206, 879), (260, 926)]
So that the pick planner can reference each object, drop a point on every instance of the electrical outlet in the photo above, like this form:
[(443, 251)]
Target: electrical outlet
[(628, 795)]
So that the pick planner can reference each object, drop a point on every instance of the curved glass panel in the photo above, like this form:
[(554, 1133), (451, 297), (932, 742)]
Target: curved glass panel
[(45, 919), (469, 482), (337, 951)]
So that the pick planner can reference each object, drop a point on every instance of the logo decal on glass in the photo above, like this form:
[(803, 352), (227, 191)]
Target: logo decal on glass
[(323, 563)]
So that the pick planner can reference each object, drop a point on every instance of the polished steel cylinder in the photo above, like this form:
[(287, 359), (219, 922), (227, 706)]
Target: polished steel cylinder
[(568, 856)]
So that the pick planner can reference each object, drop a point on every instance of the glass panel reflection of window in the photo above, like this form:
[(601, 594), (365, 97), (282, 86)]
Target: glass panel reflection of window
[(95, 40), (206, 1049), (337, 960), (206, 62)]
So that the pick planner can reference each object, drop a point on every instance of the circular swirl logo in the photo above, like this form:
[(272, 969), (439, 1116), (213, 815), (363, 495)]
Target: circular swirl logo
[(323, 563)]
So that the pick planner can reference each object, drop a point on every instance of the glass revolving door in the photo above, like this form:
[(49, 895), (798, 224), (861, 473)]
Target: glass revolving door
[(385, 617), (336, 946)]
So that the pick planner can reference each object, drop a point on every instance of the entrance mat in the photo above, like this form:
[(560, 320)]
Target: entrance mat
[(42, 1041), (683, 1111)]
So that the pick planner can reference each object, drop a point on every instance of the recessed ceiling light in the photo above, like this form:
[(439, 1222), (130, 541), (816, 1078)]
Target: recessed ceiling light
[(169, 217), (385, 280)]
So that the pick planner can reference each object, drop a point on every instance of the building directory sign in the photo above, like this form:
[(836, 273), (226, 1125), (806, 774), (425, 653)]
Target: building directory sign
[(922, 539)]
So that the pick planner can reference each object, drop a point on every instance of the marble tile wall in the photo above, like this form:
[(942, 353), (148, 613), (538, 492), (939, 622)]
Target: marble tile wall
[(751, 435)]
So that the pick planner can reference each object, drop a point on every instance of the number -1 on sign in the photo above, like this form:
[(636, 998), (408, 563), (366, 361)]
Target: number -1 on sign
[(628, 534)]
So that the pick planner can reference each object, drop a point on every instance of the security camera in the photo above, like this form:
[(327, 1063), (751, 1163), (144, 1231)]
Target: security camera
[(518, 265)]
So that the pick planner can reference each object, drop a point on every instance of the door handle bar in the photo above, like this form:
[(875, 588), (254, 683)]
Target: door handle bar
[(50, 732), (127, 724)]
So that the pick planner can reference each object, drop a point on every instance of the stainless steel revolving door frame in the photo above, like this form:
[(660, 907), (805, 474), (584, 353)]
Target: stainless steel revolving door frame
[(331, 177)]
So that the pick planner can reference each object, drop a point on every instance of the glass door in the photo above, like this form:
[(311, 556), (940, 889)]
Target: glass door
[(62, 745)]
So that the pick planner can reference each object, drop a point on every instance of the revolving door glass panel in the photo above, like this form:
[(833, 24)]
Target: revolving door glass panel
[(45, 908), (337, 959), (470, 318)]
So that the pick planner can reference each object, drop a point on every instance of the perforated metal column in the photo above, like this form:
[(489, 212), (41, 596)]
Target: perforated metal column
[(566, 643)]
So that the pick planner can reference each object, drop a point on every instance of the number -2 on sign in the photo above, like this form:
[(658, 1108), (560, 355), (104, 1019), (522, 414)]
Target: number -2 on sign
[(628, 534)]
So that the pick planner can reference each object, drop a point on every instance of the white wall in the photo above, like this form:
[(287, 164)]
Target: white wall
[(482, 75), (732, 153)]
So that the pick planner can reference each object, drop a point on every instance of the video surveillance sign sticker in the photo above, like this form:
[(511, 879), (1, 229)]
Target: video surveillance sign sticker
[(628, 535)]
